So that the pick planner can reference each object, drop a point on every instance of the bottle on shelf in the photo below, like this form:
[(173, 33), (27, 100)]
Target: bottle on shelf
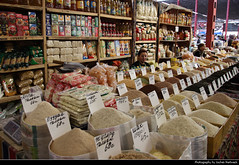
[(87, 5), (112, 7), (105, 6), (67, 4), (108, 7), (59, 4), (73, 5), (101, 7), (93, 6), (119, 8), (127, 9), (80, 5), (124, 9)]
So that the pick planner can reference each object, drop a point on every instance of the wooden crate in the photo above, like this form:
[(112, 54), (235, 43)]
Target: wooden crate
[(214, 143)]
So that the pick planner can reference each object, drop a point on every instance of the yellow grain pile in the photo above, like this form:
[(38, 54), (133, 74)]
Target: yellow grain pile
[(223, 99)]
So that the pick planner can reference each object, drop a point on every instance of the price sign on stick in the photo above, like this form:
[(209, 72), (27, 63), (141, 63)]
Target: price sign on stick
[(183, 84), (168, 64), (123, 104), (159, 115), (120, 76), (179, 71), (210, 89), (151, 79), (30, 101), (165, 93), (194, 79), (138, 83), (153, 98), (143, 70), (161, 77), (214, 85), (132, 74), (152, 68), (175, 89), (94, 101), (172, 112), (58, 124), (186, 106), (160, 66), (122, 89), (189, 81), (108, 144), (203, 93), (170, 73), (196, 100), (141, 137), (137, 102)]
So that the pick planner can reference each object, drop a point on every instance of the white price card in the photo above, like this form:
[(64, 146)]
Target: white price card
[(227, 75), (141, 138), (211, 92), (143, 71), (179, 71), (120, 76), (151, 79), (183, 64), (217, 68), (225, 78), (30, 101), (122, 104), (137, 102), (189, 82), (175, 88), (233, 73), (203, 74), (198, 77), (58, 124), (230, 74), (196, 100), (203, 93), (170, 73), (160, 66), (221, 66), (186, 106), (122, 89), (220, 82), (108, 144), (132, 74), (172, 112), (207, 72), (176, 29), (152, 68), (153, 98), (94, 102), (214, 84), (168, 64), (165, 93), (185, 69), (160, 115), (138, 83), (194, 79), (183, 84), (161, 77)]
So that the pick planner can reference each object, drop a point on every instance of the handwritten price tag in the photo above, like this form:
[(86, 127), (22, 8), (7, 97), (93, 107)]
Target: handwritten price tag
[(194, 79), (183, 84), (108, 144), (143, 71), (179, 71), (151, 79), (132, 74), (160, 66), (214, 84), (198, 77), (196, 100), (189, 81), (170, 73), (165, 93), (172, 112), (160, 115), (203, 93), (137, 102), (120, 76), (123, 104), (168, 64), (186, 106), (30, 101), (141, 137), (161, 77), (210, 89), (175, 89), (153, 98), (122, 89), (94, 101), (58, 124), (152, 68), (138, 83)]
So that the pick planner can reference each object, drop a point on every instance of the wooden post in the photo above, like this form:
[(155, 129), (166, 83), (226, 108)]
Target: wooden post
[(228, 8), (195, 18)]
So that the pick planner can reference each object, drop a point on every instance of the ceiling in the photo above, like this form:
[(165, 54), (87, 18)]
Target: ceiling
[(203, 5)]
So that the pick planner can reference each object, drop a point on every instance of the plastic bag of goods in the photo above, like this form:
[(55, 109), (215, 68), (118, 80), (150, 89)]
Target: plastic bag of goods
[(111, 77), (99, 72)]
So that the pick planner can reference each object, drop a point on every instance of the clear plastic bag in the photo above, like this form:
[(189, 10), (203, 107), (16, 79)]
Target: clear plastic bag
[(99, 72)]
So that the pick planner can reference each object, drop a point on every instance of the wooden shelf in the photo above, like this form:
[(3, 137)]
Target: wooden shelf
[(173, 40), (7, 99), (20, 38), (115, 38), (115, 17), (31, 67), (114, 58), (188, 26), (169, 24), (146, 21), (16, 6), (146, 42), (71, 38), (60, 63), (63, 11)]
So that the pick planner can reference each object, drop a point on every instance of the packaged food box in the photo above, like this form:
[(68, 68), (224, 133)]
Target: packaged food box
[(78, 31), (48, 19), (11, 18), (61, 30), (25, 20), (67, 20), (48, 30), (3, 17), (33, 29), (73, 20), (54, 19), (67, 30), (82, 21), (78, 20), (55, 30), (32, 17), (12, 30), (61, 19), (73, 30)]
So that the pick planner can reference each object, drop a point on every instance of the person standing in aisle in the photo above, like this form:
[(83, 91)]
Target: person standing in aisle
[(141, 59), (200, 51)]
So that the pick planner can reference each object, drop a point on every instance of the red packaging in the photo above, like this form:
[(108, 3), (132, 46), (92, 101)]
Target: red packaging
[(12, 30), (61, 30), (11, 18), (96, 31), (25, 20), (25, 31)]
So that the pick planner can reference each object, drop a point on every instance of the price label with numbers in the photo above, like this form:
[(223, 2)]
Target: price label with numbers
[(153, 98), (120, 76), (161, 77), (132, 74), (141, 138), (179, 71), (138, 83), (30, 101), (122, 103), (160, 115), (137, 102), (170, 73), (227, 75), (185, 69), (143, 71), (183, 84), (168, 64), (203, 93), (172, 112), (186, 106), (160, 66), (225, 78), (165, 93), (194, 79), (230, 74), (189, 81), (58, 124), (221, 66), (175, 88), (94, 102), (152, 68), (122, 89), (211, 92), (108, 144), (198, 77), (220, 81), (151, 79), (196, 100), (214, 85), (203, 74)]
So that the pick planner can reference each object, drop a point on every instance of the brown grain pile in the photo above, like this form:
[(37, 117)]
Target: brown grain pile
[(174, 80), (146, 101), (132, 94), (190, 93), (169, 103), (149, 88), (138, 113), (128, 83), (216, 107), (38, 115), (73, 143), (161, 85), (223, 99), (132, 155), (173, 70), (178, 98), (182, 126)]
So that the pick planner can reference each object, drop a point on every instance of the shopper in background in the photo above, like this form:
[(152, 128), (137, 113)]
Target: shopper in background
[(141, 59), (230, 40), (200, 51)]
